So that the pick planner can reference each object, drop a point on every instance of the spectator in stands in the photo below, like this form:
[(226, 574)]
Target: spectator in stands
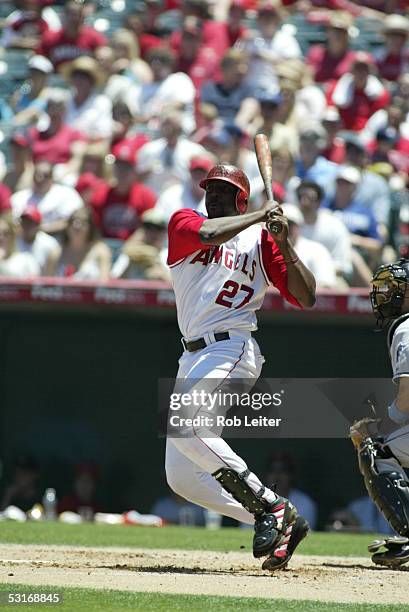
[(55, 202), (124, 130), (31, 100), (368, 516), (120, 85), (267, 46), (266, 121), (175, 510), (187, 194), (358, 94), (24, 27), (332, 60), (335, 149), (82, 500), (118, 206), (214, 34), (386, 141), (281, 471), (13, 263), (74, 39), (145, 39), (315, 255), (168, 90), (23, 491), (5, 197), (31, 239), (51, 139), (373, 191), (83, 255), (127, 56), (393, 59), (321, 225), (165, 160), (358, 218), (230, 99), (311, 165), (89, 166), (395, 116), (87, 110), (234, 26), (143, 256), (192, 56)]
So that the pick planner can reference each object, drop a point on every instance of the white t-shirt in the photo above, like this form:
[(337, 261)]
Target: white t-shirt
[(93, 118), (261, 72), (318, 260), (177, 88), (179, 196), (57, 204), (19, 265), (332, 233), (168, 166), (41, 247)]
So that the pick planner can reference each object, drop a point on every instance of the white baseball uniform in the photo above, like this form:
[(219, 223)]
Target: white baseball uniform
[(218, 289)]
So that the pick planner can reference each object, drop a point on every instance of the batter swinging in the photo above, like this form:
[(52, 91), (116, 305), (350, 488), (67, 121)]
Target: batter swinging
[(221, 266)]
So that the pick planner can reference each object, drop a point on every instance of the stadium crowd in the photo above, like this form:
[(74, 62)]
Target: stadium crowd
[(112, 111)]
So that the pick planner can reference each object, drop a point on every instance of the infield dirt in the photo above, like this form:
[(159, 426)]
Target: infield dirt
[(337, 579)]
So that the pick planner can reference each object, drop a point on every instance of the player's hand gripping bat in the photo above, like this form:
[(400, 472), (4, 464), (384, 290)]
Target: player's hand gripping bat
[(265, 165)]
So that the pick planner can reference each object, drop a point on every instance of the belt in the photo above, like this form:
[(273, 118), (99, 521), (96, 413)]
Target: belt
[(200, 343)]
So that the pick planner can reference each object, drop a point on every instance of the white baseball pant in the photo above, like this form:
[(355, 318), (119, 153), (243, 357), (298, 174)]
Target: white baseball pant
[(191, 461)]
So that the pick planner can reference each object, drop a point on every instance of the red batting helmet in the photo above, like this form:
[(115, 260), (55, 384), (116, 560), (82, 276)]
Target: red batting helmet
[(234, 176)]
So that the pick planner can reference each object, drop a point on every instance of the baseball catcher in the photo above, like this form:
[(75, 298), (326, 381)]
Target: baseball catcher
[(382, 459)]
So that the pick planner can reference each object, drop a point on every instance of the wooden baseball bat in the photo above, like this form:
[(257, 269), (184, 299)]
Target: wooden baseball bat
[(265, 165)]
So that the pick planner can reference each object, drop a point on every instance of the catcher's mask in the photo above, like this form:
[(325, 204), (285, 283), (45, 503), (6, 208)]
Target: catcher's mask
[(234, 176), (388, 291)]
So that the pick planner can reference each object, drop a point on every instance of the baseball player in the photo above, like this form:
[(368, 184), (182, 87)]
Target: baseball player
[(382, 459), (221, 266)]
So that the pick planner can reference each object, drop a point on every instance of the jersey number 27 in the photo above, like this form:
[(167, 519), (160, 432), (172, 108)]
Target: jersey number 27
[(229, 291)]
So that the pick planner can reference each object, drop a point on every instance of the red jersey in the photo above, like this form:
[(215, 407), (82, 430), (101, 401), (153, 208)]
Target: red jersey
[(118, 215), (325, 66), (59, 48), (55, 149)]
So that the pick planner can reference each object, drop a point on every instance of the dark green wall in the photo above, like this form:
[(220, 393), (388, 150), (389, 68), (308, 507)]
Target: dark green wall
[(78, 387)]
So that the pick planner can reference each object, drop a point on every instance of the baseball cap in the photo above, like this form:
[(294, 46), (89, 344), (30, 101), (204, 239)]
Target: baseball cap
[(293, 213), (313, 132), (340, 20), (349, 174), (40, 63), (351, 139), (154, 216), (32, 212), (201, 162), (125, 153), (396, 23)]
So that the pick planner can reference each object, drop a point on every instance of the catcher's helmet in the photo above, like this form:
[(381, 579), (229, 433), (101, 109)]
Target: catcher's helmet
[(388, 290), (234, 176)]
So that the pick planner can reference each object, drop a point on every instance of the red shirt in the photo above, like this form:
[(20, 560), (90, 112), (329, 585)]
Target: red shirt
[(5, 195), (325, 66), (148, 42), (60, 49), (355, 116), (55, 149), (27, 23), (203, 68), (118, 215), (214, 36), (133, 143), (390, 67)]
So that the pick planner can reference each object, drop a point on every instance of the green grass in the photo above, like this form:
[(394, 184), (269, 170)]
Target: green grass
[(187, 538), (89, 600)]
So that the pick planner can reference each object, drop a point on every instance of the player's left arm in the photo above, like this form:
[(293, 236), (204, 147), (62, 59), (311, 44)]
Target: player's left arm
[(300, 281)]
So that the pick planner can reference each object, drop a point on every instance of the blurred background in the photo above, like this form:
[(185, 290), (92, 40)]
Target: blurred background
[(111, 112)]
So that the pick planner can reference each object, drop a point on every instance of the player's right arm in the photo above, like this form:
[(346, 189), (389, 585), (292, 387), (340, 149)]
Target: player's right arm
[(217, 231)]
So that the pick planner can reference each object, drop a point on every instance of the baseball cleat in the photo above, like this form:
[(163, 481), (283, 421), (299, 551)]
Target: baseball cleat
[(395, 555), (281, 555), (271, 526)]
